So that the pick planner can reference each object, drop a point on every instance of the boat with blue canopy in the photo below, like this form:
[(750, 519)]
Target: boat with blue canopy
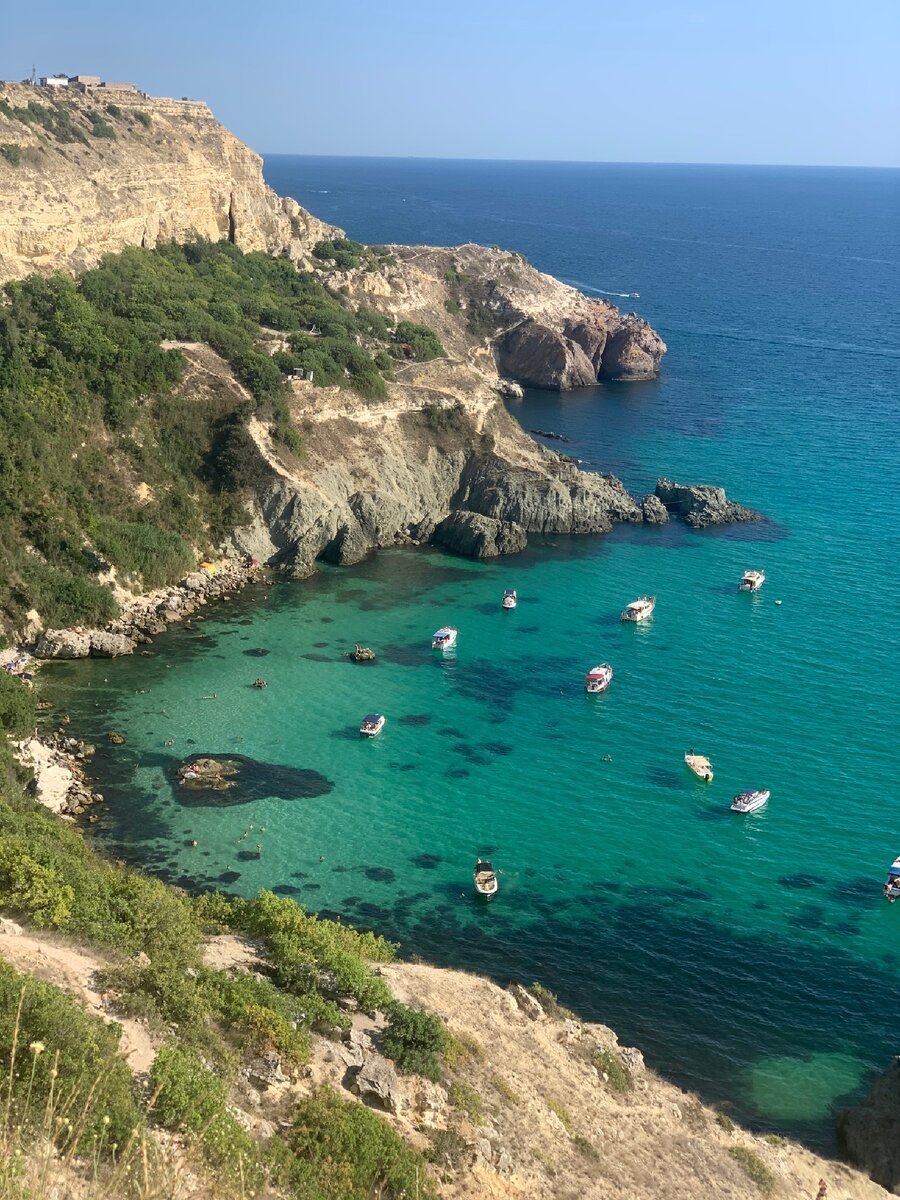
[(892, 883)]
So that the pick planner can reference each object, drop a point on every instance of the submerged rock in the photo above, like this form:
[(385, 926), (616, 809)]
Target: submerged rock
[(211, 780), (701, 505)]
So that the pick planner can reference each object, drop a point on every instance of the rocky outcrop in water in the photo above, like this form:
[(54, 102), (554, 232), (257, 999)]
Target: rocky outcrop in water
[(654, 511), (870, 1131), (477, 536), (701, 505)]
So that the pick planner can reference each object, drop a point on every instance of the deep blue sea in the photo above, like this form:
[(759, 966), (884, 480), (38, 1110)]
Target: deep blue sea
[(752, 958)]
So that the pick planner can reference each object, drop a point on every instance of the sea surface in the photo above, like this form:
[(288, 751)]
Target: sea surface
[(751, 958)]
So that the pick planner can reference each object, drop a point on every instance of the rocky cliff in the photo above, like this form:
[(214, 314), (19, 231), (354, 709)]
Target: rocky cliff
[(870, 1132), (166, 170)]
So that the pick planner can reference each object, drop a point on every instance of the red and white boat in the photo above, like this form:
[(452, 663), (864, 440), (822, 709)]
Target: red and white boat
[(598, 679)]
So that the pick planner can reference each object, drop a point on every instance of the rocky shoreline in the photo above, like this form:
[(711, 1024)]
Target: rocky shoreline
[(147, 616)]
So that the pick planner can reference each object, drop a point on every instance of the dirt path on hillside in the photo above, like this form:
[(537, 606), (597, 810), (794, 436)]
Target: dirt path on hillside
[(75, 971)]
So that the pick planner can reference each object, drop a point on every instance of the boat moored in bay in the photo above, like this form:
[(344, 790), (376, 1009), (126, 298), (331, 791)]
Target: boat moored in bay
[(485, 879), (598, 679), (640, 609), (372, 724), (510, 599), (749, 801), (444, 638), (700, 765), (892, 883), (752, 581)]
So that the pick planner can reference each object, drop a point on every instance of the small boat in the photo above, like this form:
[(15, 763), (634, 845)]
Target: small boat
[(444, 638), (485, 879), (373, 723), (259, 683), (598, 679), (640, 609), (752, 581), (748, 802), (700, 765), (892, 883), (510, 599)]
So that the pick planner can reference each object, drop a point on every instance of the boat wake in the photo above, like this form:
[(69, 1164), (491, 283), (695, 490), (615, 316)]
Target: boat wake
[(586, 287)]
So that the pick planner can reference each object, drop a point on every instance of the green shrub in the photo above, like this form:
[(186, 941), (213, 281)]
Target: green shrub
[(343, 252), (755, 1168), (144, 118), (345, 1152), (550, 1004), (414, 1039), (557, 1108), (11, 152), (614, 1072), (456, 277), (448, 1148), (723, 1120), (42, 1031), (509, 1094), (588, 1149), (18, 707), (101, 128), (443, 418), (191, 1099), (114, 111), (423, 343), (465, 1098), (452, 306), (481, 320), (140, 549), (311, 955)]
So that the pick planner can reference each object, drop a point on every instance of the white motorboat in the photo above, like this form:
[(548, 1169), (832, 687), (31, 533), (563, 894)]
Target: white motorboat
[(640, 609), (700, 765), (372, 724), (752, 581), (892, 883), (485, 879), (598, 679), (444, 638), (748, 802), (510, 599)]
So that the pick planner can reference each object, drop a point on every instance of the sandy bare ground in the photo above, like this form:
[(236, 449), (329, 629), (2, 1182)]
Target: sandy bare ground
[(74, 971), (653, 1143)]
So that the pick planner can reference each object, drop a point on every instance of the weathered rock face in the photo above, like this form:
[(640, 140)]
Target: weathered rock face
[(477, 536), (870, 1132), (539, 332), (654, 511), (701, 505), (181, 175)]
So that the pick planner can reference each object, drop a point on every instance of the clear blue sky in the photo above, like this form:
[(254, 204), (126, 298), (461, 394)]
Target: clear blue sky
[(743, 81)]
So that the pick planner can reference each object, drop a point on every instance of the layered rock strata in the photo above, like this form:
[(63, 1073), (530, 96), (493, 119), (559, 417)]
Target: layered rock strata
[(170, 173)]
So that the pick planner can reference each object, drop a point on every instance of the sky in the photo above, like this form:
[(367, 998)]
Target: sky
[(717, 81)]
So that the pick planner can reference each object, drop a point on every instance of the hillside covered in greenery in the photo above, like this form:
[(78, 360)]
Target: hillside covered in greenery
[(89, 408)]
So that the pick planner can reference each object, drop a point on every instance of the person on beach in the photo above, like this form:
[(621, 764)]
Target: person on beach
[(823, 1190)]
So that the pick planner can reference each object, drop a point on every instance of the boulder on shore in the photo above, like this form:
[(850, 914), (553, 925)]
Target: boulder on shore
[(701, 505), (477, 536)]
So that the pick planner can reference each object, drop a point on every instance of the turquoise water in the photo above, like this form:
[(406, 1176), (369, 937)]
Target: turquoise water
[(751, 958)]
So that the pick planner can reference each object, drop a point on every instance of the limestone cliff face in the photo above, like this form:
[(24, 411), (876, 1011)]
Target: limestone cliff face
[(172, 173), (440, 460)]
